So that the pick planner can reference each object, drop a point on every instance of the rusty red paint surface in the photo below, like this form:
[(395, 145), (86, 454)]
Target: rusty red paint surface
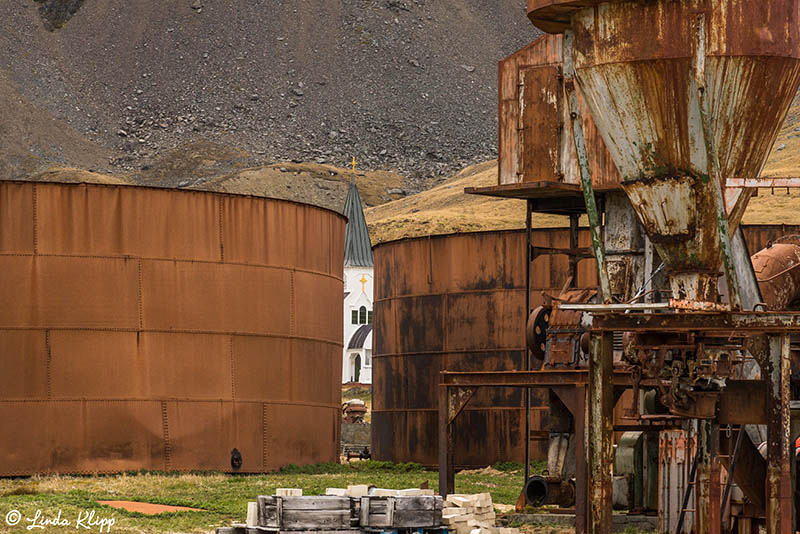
[(456, 303), (160, 329)]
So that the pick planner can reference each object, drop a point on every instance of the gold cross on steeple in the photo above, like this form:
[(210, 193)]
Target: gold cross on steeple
[(363, 283)]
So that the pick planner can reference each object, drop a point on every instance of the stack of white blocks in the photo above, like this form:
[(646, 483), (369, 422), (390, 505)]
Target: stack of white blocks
[(363, 490), (472, 514), (289, 492)]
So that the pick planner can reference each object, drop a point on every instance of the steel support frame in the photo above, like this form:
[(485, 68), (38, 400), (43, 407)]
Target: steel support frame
[(775, 360), (600, 428), (779, 458), (453, 398), (593, 427), (708, 490), (527, 392)]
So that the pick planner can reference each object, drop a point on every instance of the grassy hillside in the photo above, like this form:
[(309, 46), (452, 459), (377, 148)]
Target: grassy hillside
[(446, 209)]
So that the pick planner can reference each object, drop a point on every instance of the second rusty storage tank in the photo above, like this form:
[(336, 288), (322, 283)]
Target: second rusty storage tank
[(457, 302), (162, 329)]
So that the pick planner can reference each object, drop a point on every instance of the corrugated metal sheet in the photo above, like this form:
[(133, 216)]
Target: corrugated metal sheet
[(535, 134), (159, 329)]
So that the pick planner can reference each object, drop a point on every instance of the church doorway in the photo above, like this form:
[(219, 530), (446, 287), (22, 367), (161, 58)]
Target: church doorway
[(357, 368)]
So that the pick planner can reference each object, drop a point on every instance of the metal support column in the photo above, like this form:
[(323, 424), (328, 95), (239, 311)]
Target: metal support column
[(527, 391), (708, 489), (779, 474), (592, 212), (447, 475), (581, 473), (600, 429), (573, 244), (726, 246)]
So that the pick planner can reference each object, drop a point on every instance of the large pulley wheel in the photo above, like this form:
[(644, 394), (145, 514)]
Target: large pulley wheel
[(538, 322)]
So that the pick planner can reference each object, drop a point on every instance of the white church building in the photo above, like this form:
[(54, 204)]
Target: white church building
[(358, 279)]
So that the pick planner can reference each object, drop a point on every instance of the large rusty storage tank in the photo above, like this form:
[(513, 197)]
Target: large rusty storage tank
[(457, 302), (160, 329)]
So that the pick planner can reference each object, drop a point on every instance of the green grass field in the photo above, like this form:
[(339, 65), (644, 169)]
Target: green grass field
[(223, 497)]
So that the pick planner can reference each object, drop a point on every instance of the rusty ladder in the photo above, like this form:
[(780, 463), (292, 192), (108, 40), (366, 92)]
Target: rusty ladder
[(728, 486)]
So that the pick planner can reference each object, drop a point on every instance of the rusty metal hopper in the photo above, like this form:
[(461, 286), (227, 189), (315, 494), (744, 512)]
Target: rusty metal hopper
[(637, 64)]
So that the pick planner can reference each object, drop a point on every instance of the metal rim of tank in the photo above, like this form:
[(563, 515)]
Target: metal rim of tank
[(553, 16)]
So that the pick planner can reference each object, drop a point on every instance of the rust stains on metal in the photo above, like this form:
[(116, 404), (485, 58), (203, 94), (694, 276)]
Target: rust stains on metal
[(553, 16), (451, 303), (418, 282), (544, 490), (457, 303), (161, 329), (777, 269), (639, 82), (779, 443), (535, 131), (696, 305), (600, 432)]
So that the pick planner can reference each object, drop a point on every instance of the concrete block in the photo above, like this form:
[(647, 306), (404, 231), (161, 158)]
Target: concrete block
[(358, 490), (459, 500), (414, 492), (288, 492), (252, 514)]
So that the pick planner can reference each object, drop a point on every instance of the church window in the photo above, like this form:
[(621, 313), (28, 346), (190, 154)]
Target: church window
[(369, 317), (362, 315), (367, 360), (355, 316)]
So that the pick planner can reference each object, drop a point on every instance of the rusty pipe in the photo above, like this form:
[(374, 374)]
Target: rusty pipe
[(777, 269), (541, 491)]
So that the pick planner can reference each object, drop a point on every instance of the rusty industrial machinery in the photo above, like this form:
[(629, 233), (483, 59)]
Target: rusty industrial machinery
[(162, 329), (650, 119), (415, 278)]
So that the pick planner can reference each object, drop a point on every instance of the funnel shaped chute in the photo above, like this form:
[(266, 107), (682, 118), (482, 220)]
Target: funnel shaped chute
[(635, 64)]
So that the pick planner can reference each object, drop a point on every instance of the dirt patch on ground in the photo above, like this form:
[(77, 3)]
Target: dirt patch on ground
[(75, 176), (32, 140), (148, 508)]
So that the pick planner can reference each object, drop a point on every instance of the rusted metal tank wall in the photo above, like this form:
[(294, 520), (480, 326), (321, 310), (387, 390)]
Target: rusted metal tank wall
[(159, 329), (758, 236), (457, 302)]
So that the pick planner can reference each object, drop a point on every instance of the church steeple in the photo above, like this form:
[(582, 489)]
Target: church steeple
[(357, 246)]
